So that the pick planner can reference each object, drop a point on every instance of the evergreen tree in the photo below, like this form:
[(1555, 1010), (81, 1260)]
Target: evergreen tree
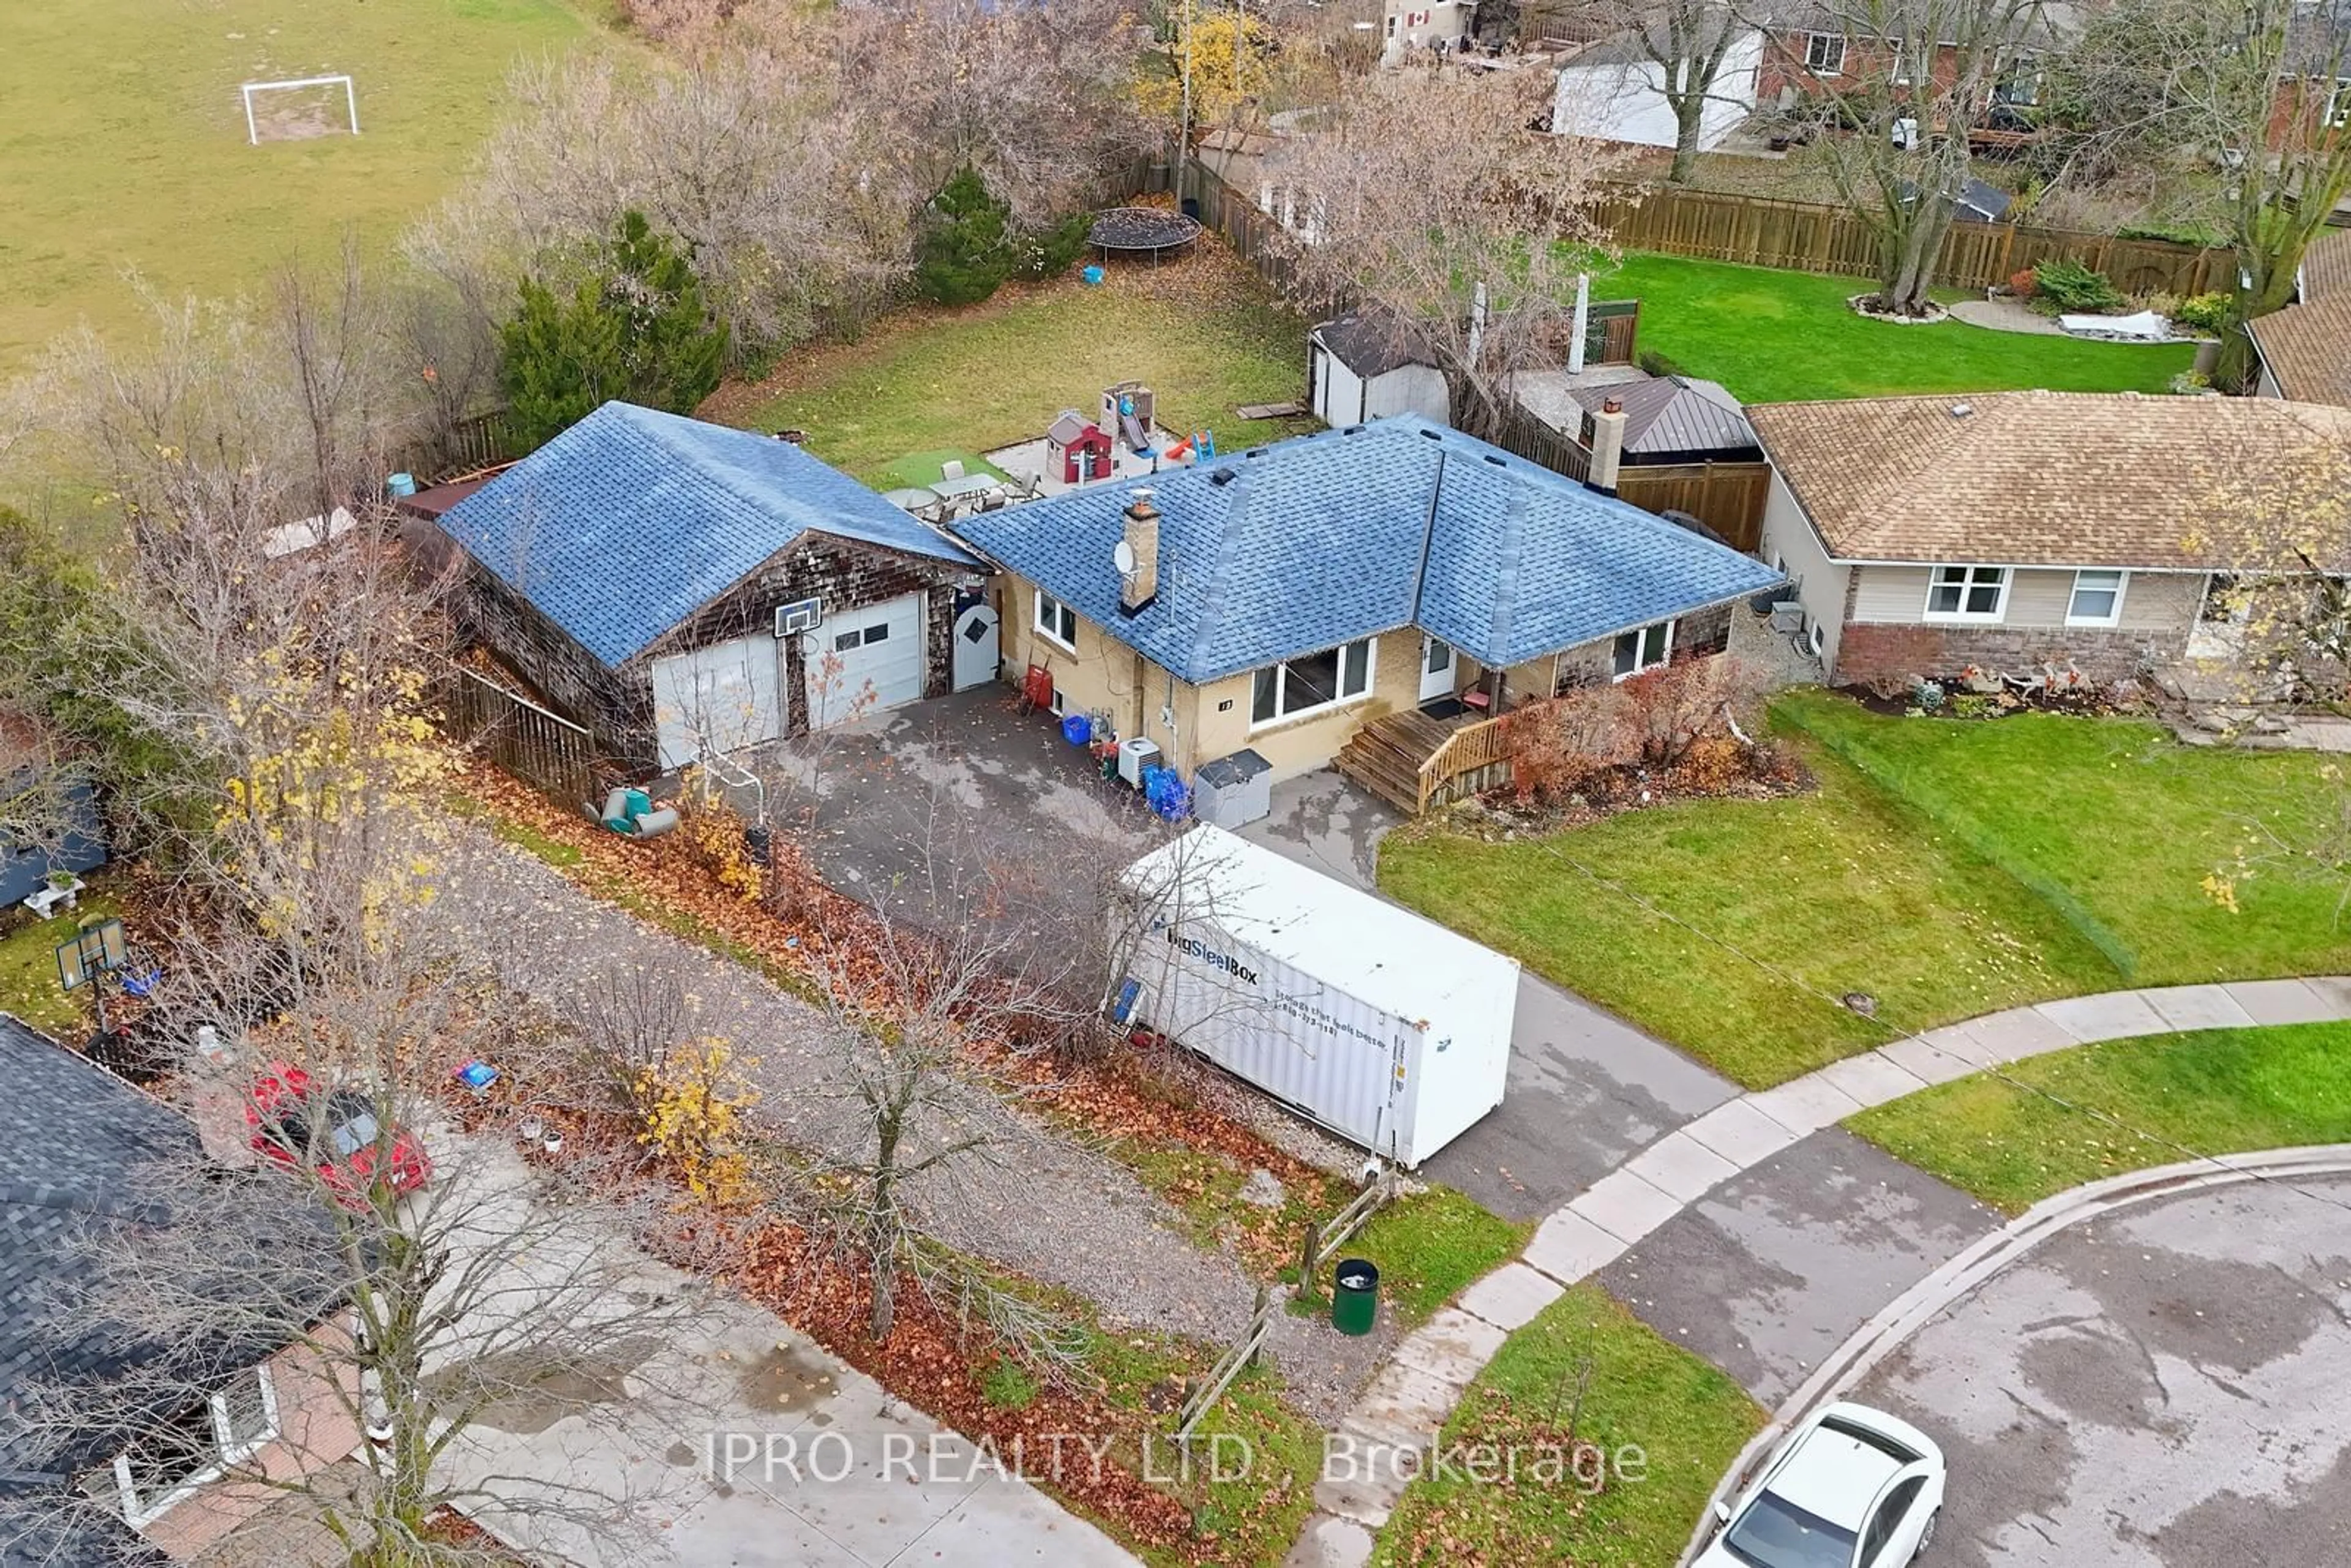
[(966, 250), (634, 327)]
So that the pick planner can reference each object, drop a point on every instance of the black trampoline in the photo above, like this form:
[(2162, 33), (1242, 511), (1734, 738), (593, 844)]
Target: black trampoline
[(1154, 232)]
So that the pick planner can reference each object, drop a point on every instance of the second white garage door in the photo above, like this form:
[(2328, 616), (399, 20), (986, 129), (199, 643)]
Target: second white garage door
[(880, 646)]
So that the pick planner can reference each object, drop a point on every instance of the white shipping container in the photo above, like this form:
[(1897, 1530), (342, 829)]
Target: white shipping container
[(1387, 1028)]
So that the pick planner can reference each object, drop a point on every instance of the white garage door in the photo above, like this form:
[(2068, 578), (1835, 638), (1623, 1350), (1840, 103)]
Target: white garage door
[(862, 661), (717, 699)]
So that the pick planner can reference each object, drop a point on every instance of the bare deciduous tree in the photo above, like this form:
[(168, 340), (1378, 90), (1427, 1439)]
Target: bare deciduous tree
[(1918, 76), (2252, 90), (1426, 196), (402, 1322), (1687, 42)]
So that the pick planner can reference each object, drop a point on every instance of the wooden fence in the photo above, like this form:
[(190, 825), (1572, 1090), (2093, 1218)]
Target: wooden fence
[(1807, 236), (1728, 497), (523, 737), (1474, 758)]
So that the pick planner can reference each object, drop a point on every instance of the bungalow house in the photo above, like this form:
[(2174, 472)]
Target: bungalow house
[(2010, 530), (681, 588), (175, 1482), (1614, 89), (1432, 25), (2305, 350), (1282, 598)]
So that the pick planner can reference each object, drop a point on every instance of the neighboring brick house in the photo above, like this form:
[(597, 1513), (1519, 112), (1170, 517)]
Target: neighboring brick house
[(1817, 48), (2011, 531), (72, 1136), (681, 588), (1280, 599)]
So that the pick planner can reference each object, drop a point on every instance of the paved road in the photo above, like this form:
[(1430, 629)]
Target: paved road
[(1768, 1273), (2167, 1387)]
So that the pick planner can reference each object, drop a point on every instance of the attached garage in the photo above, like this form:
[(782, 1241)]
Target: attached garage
[(718, 699), (683, 589), (862, 661)]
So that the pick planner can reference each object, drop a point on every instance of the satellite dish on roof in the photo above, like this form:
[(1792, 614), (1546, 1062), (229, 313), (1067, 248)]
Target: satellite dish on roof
[(1121, 555)]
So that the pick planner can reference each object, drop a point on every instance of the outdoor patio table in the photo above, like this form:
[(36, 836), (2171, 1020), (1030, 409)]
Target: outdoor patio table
[(966, 487)]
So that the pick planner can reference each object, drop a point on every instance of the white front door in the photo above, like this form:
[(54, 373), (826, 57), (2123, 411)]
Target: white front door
[(977, 655), (716, 700), (863, 661), (1436, 669)]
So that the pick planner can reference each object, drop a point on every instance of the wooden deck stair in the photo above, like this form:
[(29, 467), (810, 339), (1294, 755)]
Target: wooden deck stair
[(1384, 756)]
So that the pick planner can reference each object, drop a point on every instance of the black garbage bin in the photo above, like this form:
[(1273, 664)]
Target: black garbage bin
[(1192, 207), (1355, 1296)]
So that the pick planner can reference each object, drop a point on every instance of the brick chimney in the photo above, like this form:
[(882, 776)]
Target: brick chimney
[(1607, 447), (1139, 583)]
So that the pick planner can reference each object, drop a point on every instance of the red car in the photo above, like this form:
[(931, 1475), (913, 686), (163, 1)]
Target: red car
[(348, 1140)]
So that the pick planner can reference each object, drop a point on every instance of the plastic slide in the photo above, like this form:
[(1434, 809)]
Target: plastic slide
[(1136, 441)]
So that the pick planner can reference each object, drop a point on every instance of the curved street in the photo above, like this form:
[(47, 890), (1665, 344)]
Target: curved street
[(2167, 1386)]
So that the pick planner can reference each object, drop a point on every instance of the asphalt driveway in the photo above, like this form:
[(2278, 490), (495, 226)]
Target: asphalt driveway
[(967, 780), (2168, 1387)]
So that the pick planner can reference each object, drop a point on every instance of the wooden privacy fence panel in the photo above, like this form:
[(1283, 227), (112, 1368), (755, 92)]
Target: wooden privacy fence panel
[(1807, 236), (523, 737), (1726, 496)]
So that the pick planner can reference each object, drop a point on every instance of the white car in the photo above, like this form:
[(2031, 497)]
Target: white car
[(1850, 1488)]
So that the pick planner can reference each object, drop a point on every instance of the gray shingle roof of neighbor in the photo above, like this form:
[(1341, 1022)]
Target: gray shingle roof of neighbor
[(70, 1135), (627, 523), (1324, 538), (1673, 413)]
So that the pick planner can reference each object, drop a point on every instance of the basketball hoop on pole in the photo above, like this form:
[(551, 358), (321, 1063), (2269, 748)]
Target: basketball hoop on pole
[(92, 954)]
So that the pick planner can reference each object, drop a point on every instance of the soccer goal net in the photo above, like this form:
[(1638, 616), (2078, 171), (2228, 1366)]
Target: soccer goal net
[(306, 106)]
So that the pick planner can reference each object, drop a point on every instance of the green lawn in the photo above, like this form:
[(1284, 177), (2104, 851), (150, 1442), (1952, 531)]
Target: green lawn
[(124, 144), (2216, 1091), (1427, 1248), (29, 966), (1946, 868), (1688, 1421), (1772, 337), (1205, 334)]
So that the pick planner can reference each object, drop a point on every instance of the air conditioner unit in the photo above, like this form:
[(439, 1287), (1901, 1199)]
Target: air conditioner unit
[(804, 615)]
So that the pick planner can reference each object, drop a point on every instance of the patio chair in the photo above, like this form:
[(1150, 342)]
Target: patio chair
[(951, 469)]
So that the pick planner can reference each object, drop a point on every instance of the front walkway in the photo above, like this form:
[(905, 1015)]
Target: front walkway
[(1804, 1267)]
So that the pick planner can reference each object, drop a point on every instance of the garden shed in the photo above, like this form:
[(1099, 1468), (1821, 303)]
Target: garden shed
[(680, 589)]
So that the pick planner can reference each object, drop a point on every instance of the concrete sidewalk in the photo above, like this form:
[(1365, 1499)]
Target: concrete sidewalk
[(1815, 1230)]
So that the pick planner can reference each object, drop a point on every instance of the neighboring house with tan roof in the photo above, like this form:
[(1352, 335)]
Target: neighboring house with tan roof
[(2009, 530), (2305, 350), (2326, 266)]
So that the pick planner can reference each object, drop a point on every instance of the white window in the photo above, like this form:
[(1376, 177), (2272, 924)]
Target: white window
[(1645, 649), (1900, 58), (1057, 621), (1312, 683), (199, 1445), (1824, 54), (2097, 599), (1966, 593)]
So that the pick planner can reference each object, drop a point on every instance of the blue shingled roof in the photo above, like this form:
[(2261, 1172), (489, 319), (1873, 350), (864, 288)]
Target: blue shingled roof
[(1321, 540), (632, 520)]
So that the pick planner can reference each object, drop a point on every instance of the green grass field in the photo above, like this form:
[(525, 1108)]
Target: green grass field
[(2215, 1091), (1946, 868), (1685, 1420), (1205, 334), (1773, 337), (123, 143), (29, 966)]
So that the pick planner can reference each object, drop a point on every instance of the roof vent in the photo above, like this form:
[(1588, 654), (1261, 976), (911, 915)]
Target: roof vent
[(1496, 459), (1961, 410), (1254, 452), (1224, 475), (1352, 430), (1428, 435)]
